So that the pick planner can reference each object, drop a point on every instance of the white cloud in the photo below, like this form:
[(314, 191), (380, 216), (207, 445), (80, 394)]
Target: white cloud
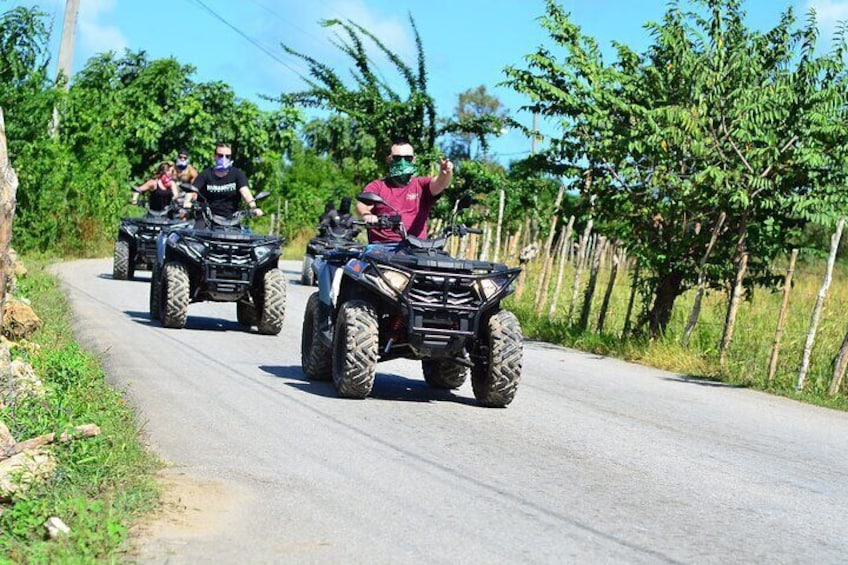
[(93, 35), (828, 14)]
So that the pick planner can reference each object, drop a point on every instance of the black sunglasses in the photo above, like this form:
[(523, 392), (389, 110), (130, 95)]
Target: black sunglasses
[(407, 158), (219, 155)]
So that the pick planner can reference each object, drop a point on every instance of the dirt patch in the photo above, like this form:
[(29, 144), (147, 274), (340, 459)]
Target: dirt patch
[(193, 512)]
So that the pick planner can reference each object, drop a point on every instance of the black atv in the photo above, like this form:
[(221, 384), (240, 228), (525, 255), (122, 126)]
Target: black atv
[(412, 299), (221, 263), (336, 233), (135, 247)]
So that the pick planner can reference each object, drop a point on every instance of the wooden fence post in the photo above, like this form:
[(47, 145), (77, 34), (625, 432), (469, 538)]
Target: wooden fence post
[(608, 294), (500, 224), (593, 280), (814, 321), (733, 308), (702, 281), (487, 242), (839, 368), (8, 194), (563, 259), (781, 318), (578, 268)]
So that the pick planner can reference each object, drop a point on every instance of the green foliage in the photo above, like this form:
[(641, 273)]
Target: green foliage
[(478, 115), (375, 110), (100, 483), (713, 117)]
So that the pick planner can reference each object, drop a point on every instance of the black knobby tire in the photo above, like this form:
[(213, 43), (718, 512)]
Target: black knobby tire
[(495, 379), (175, 295), (155, 294), (355, 344), (121, 261), (246, 314), (307, 277), (443, 373), (315, 357), (273, 303)]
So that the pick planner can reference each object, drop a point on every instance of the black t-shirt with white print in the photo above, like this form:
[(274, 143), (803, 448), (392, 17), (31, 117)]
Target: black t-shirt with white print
[(221, 192)]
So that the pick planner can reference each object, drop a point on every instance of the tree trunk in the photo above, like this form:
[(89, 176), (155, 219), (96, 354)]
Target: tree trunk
[(732, 309), (781, 318), (814, 321), (593, 280), (634, 285), (667, 291), (608, 294), (8, 192), (702, 280)]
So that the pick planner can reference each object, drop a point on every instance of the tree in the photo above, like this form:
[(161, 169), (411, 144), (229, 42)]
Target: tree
[(478, 115), (713, 117)]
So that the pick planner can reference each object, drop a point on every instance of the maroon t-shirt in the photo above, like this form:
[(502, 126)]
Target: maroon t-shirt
[(412, 201)]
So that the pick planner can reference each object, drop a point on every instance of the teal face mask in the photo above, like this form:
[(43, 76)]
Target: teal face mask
[(401, 171)]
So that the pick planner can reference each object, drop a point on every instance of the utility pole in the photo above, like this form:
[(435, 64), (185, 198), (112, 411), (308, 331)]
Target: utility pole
[(66, 55), (535, 133)]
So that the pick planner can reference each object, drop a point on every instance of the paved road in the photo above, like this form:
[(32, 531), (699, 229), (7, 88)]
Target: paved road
[(596, 460)]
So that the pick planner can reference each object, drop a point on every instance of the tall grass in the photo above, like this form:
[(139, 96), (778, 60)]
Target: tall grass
[(749, 352), (100, 483)]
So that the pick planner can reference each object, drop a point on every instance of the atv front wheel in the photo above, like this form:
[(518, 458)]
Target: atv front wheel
[(175, 295), (495, 378), (121, 261), (273, 303), (155, 293), (443, 373), (307, 277), (246, 314), (355, 344), (315, 357)]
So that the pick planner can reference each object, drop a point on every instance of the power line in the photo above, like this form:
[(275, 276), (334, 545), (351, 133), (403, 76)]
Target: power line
[(247, 37)]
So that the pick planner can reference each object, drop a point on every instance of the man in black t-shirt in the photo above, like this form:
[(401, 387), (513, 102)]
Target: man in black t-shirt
[(223, 185)]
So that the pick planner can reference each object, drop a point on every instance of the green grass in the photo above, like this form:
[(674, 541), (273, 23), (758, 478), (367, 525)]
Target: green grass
[(748, 358), (100, 483)]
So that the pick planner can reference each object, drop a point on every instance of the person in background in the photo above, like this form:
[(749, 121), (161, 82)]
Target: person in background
[(162, 189), (185, 170), (412, 196)]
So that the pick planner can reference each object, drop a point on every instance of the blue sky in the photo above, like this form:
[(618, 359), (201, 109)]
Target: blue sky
[(467, 42)]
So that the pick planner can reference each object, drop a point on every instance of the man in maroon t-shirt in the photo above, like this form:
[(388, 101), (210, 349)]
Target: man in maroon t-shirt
[(412, 196)]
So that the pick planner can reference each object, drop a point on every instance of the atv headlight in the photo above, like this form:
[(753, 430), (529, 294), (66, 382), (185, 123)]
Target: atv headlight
[(397, 280), (261, 251), (489, 287)]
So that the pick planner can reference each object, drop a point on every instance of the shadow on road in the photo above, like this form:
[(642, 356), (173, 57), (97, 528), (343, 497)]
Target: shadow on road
[(136, 278), (702, 381), (192, 323), (387, 386)]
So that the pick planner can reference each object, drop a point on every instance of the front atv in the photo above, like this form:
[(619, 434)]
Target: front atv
[(413, 300), (224, 263)]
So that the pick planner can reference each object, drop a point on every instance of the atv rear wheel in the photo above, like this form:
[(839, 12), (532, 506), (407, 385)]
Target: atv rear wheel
[(355, 343), (175, 295), (246, 314), (121, 261), (155, 293), (443, 373), (273, 303), (495, 378), (315, 357), (307, 277)]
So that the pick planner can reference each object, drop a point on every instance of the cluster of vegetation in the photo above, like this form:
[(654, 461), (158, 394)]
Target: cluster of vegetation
[(101, 483)]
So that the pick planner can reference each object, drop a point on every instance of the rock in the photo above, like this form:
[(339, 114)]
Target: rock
[(56, 527), (24, 381), (6, 439), (19, 320), (19, 472), (18, 267)]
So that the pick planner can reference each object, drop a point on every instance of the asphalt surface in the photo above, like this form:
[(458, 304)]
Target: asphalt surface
[(595, 461)]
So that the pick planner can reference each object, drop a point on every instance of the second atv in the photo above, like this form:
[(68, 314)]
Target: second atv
[(222, 263)]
